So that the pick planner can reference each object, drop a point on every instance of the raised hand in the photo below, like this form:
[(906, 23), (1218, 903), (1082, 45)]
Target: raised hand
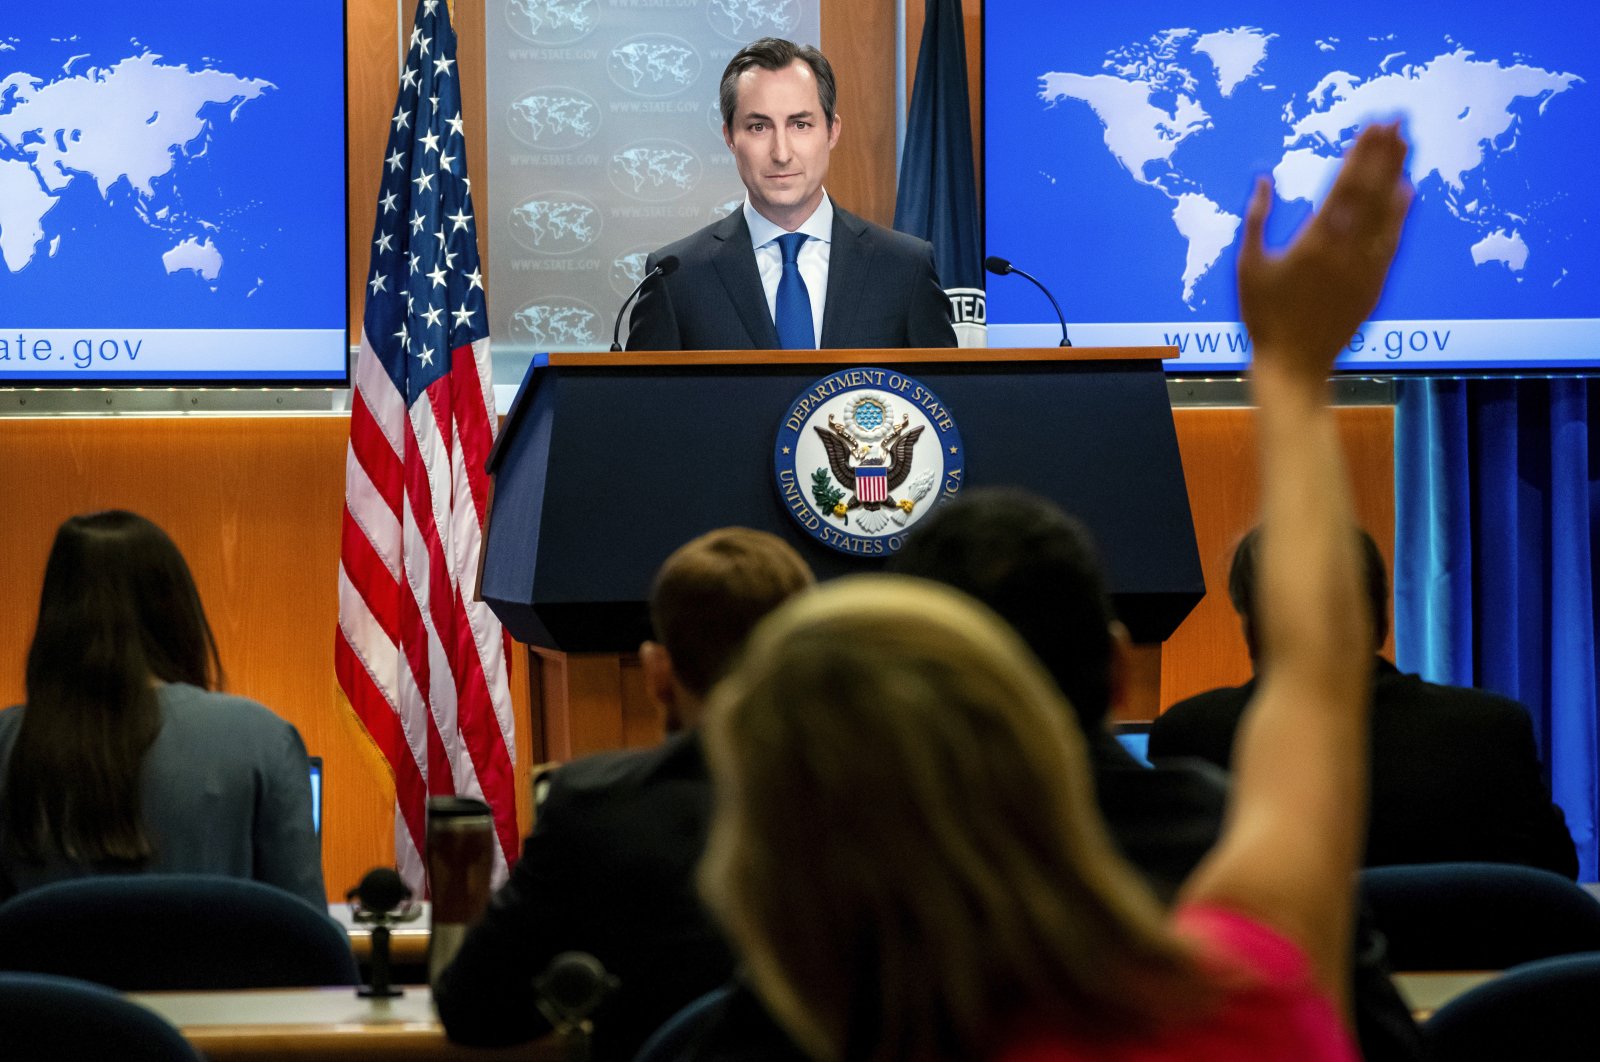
[(1303, 304)]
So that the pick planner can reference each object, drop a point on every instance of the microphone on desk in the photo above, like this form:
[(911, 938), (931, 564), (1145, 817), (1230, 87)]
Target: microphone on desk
[(569, 990), (381, 899), (663, 268), (1000, 267)]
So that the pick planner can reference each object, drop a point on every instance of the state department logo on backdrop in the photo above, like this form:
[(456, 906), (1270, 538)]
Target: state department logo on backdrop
[(654, 171), (745, 20), (557, 322), (553, 22), (654, 65), (554, 117), (862, 455)]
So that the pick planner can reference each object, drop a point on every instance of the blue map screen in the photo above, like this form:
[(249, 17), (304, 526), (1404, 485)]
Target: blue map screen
[(1123, 140), (172, 192)]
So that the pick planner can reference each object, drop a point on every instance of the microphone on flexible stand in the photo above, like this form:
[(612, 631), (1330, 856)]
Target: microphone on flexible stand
[(381, 900), (568, 992), (1000, 267), (663, 268)]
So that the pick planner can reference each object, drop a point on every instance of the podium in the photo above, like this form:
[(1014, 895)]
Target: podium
[(608, 462)]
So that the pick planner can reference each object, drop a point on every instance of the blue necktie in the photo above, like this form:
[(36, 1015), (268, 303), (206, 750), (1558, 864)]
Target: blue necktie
[(795, 331)]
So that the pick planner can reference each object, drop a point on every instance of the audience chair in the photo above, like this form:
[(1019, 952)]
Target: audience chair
[(1542, 1010), (672, 1040), (1478, 916), (47, 1018), (158, 932)]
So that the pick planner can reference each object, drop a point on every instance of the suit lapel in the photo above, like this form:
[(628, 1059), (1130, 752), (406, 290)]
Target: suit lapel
[(735, 261), (849, 275)]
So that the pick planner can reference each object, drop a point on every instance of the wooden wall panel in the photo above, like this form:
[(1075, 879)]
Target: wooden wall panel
[(372, 48), (858, 36), (1220, 465)]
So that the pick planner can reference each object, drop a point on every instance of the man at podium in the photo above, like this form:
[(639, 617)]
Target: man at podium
[(791, 270)]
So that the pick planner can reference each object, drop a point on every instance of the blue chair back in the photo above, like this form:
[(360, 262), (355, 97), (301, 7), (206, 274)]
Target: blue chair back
[(669, 1042), (171, 932), (1544, 1010), (47, 1018), (1478, 916)]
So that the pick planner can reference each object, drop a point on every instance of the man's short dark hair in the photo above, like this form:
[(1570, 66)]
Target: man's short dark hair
[(1242, 585), (775, 53), (713, 590), (1035, 566)]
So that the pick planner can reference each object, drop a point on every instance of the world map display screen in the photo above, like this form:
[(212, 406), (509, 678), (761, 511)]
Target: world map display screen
[(172, 192), (1123, 141)]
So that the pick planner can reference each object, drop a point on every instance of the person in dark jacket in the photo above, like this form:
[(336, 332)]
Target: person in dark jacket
[(609, 867), (1456, 775)]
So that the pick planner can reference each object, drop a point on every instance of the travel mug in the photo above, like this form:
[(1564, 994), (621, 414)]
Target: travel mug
[(460, 859)]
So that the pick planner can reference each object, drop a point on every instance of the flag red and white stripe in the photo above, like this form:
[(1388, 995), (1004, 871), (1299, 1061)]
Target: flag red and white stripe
[(421, 663)]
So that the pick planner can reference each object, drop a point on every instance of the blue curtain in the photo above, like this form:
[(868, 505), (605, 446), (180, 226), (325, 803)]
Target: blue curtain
[(1497, 512)]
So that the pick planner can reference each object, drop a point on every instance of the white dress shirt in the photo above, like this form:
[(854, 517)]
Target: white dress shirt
[(812, 259)]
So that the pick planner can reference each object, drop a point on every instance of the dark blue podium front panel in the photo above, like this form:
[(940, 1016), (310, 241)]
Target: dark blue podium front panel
[(606, 469)]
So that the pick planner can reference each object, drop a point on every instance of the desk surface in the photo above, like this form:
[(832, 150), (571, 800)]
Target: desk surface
[(311, 1024), (1426, 992)]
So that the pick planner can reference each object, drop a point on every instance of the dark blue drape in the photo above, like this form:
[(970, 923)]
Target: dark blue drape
[(937, 198), (1497, 509)]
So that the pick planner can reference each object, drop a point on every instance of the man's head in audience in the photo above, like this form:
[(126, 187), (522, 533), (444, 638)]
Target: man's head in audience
[(707, 598), (1035, 566), (1242, 588)]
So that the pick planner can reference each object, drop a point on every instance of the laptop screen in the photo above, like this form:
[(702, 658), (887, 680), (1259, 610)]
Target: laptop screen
[(316, 794), (1135, 737)]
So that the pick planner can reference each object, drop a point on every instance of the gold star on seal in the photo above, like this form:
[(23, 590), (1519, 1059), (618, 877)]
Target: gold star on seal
[(785, 449), (952, 449)]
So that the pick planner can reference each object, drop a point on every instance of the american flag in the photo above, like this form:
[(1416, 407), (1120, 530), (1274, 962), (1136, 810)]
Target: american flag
[(422, 664), (872, 483)]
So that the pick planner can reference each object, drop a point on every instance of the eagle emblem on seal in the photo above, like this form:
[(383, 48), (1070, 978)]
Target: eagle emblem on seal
[(869, 458)]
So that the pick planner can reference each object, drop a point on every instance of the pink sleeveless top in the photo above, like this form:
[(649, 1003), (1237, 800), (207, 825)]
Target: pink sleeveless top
[(1280, 1016)]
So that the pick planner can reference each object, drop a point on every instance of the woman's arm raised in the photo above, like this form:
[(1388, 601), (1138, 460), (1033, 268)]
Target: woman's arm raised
[(1297, 816)]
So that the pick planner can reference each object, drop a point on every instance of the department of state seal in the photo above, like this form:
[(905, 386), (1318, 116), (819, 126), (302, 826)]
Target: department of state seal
[(862, 455)]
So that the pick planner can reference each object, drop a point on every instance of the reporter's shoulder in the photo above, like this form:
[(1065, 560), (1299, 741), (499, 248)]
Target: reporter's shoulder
[(219, 710), (1201, 712), (613, 774), (1466, 702)]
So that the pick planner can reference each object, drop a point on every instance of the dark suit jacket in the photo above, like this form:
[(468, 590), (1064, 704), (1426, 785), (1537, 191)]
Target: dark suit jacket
[(1455, 772), (882, 292), (608, 869)]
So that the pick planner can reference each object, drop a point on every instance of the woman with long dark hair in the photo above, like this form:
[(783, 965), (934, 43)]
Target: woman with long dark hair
[(124, 758)]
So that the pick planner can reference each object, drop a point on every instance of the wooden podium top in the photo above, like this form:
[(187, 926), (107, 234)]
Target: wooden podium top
[(890, 356)]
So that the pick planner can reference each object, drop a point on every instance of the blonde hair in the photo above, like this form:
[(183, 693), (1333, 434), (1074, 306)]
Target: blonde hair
[(906, 846)]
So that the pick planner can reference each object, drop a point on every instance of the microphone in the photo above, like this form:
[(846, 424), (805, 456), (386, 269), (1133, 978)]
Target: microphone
[(380, 892), (663, 268), (1000, 267), (568, 992), (381, 900)]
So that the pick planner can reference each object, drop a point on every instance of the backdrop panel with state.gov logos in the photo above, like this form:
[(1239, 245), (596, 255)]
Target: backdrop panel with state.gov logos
[(605, 143)]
